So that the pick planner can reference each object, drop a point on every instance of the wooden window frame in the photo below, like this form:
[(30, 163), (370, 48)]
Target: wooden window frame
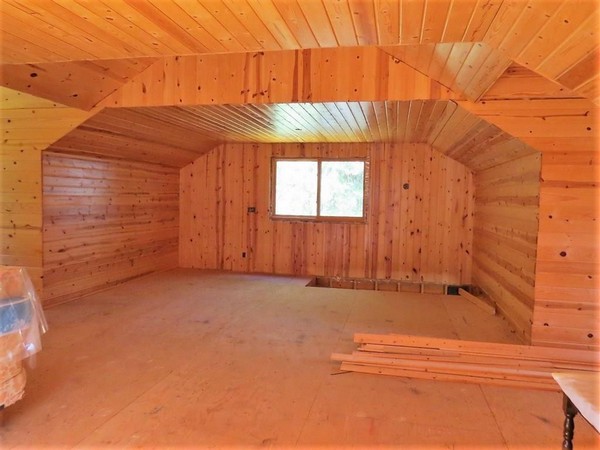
[(318, 217)]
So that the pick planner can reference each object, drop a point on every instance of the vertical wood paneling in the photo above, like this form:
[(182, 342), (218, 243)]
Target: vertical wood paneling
[(314, 75), (505, 235), (217, 189), (105, 222)]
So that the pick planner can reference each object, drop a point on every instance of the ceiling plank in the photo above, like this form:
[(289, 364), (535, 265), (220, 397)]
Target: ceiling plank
[(131, 135), (469, 69), (176, 135), (551, 38), (519, 83), (79, 84), (111, 29), (285, 76), (558, 39)]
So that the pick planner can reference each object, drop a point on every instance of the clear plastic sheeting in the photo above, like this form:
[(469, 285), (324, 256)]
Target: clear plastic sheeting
[(22, 320)]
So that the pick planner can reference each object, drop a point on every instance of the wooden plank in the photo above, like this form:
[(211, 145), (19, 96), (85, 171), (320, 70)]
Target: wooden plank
[(520, 351), (534, 373), (506, 226), (331, 249), (448, 377), (131, 229), (477, 301)]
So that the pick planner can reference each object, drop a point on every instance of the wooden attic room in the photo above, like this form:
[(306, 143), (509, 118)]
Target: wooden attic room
[(158, 157)]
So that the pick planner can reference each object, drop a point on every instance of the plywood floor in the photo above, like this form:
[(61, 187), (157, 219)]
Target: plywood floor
[(207, 360)]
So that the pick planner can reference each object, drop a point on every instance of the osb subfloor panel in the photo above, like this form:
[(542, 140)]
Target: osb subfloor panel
[(207, 360)]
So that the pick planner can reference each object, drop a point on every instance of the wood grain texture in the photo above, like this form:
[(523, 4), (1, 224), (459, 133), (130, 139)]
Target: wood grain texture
[(176, 135), (28, 125), (467, 361), (313, 75), (567, 289), (557, 39), (467, 68), (105, 222), (417, 234), (505, 237), (567, 292), (520, 83), (79, 84), (127, 29), (132, 135)]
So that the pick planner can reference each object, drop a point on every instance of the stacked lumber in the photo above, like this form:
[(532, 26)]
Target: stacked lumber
[(465, 361)]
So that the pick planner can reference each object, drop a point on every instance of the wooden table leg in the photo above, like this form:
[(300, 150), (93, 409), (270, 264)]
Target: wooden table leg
[(569, 426)]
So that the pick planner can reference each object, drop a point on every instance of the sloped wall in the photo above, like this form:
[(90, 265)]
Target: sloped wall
[(105, 222), (419, 233), (567, 280), (505, 237)]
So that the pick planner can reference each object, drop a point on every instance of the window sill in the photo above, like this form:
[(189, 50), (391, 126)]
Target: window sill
[(328, 219)]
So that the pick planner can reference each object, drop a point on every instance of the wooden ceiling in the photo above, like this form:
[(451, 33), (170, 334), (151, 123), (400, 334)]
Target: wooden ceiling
[(88, 54), (467, 68), (176, 136), (556, 38), (80, 84)]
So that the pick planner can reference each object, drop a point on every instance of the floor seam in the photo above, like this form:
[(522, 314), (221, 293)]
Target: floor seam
[(494, 416), (124, 407), (314, 400)]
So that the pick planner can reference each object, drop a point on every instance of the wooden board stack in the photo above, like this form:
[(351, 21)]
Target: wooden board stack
[(464, 361)]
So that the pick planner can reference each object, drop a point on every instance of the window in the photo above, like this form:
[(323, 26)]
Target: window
[(318, 189)]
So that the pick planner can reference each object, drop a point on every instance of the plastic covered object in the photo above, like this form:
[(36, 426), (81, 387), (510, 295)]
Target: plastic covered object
[(22, 320)]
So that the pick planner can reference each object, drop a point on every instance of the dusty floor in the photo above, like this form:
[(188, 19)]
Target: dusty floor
[(207, 360)]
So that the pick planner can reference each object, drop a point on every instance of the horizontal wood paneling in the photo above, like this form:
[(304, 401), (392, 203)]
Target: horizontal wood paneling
[(414, 234), (505, 237), (105, 221), (567, 284), (567, 310), (28, 125)]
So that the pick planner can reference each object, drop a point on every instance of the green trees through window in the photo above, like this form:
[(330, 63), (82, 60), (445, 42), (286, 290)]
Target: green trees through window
[(314, 188)]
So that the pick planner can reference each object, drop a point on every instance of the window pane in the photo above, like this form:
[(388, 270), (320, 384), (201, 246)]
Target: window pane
[(296, 188), (342, 184)]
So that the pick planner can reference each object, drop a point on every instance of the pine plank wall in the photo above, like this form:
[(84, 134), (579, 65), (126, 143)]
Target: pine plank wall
[(105, 221), (29, 124), (507, 200), (422, 233)]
